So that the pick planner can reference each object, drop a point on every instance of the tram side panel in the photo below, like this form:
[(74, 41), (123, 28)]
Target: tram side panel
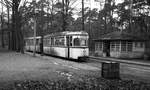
[(74, 53), (53, 47), (78, 52), (60, 51), (56, 51)]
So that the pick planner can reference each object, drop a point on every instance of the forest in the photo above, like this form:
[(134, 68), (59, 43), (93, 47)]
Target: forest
[(50, 16)]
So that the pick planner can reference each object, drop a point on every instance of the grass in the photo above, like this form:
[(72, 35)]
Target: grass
[(86, 83)]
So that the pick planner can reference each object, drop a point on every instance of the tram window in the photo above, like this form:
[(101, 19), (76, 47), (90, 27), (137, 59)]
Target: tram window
[(83, 42), (70, 40), (80, 42), (31, 41), (45, 42), (25, 42), (28, 41), (52, 41), (67, 40), (57, 42), (37, 41), (49, 42), (61, 41), (76, 42)]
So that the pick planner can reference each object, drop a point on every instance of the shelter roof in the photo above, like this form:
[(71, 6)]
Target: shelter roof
[(118, 35)]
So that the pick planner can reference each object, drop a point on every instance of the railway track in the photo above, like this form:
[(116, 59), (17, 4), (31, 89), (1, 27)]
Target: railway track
[(103, 59)]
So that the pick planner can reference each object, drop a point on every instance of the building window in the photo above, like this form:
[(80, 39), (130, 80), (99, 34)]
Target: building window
[(139, 44), (115, 46), (112, 47), (123, 46), (99, 46), (126, 46), (129, 46), (96, 46), (136, 44)]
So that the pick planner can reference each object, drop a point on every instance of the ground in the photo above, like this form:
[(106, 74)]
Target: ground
[(16, 67)]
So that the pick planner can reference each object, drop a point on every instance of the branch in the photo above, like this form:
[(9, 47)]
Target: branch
[(3, 3), (8, 3)]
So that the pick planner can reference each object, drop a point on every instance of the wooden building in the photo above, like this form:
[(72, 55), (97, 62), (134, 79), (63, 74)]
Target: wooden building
[(120, 45)]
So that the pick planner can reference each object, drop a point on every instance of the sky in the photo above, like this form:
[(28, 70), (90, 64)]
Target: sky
[(77, 5), (91, 4)]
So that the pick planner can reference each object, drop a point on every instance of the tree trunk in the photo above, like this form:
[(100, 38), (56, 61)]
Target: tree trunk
[(17, 36), (2, 32), (9, 33), (41, 45), (2, 38)]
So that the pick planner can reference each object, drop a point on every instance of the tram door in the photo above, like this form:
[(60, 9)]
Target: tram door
[(69, 39)]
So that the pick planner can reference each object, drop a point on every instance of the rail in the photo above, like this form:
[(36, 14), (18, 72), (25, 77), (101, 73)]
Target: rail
[(133, 62)]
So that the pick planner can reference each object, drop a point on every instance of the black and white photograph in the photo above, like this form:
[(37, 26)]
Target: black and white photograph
[(74, 44)]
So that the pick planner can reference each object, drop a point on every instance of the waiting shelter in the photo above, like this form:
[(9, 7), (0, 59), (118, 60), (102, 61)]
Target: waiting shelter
[(120, 45)]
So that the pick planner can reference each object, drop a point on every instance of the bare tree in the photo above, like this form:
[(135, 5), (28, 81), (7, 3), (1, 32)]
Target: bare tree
[(2, 23)]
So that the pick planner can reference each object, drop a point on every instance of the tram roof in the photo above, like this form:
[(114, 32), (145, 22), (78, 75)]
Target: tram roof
[(68, 33), (62, 34), (33, 37)]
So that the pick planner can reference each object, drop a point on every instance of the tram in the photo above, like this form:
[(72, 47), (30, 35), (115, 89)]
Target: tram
[(67, 44)]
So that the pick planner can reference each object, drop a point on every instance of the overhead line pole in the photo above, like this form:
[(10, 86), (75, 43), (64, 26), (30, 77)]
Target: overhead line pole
[(83, 15), (105, 13), (63, 15), (130, 22), (42, 17), (90, 18), (34, 52)]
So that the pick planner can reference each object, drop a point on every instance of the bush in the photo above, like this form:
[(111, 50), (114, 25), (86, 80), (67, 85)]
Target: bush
[(86, 83)]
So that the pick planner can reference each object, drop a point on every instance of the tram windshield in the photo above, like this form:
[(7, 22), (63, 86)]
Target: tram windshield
[(79, 41)]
